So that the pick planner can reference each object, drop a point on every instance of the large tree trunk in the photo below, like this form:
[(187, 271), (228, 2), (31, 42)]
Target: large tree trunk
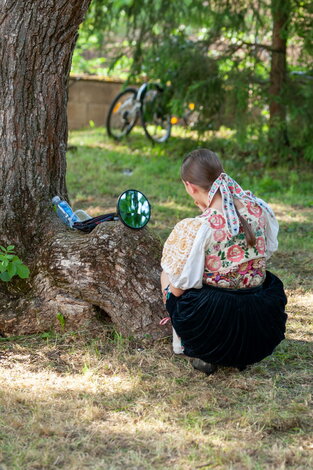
[(37, 41), (110, 271), (278, 74)]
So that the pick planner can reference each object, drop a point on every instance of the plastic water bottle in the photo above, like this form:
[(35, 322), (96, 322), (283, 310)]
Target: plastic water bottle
[(64, 211)]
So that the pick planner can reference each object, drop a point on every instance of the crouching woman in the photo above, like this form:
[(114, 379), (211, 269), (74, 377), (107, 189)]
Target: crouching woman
[(226, 308)]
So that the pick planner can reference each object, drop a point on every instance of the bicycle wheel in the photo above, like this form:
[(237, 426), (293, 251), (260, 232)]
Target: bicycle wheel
[(122, 114), (155, 119)]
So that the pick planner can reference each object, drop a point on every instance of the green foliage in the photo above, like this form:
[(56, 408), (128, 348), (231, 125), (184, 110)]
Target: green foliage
[(11, 265), (197, 82), (308, 153), (216, 55), (299, 99), (61, 320)]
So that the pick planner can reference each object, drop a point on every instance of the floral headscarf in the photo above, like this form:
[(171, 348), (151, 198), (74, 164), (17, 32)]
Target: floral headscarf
[(230, 189)]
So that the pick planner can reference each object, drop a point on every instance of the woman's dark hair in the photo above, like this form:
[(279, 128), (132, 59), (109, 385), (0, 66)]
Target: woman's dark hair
[(202, 167)]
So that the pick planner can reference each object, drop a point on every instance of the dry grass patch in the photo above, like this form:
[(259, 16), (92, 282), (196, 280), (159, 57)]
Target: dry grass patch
[(288, 213), (80, 402)]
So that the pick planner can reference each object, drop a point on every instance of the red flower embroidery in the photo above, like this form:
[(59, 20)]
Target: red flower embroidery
[(254, 209), (235, 253), (219, 235), (213, 263), (260, 245), (217, 221)]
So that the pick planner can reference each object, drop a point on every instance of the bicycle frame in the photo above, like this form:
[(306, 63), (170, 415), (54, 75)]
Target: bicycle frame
[(140, 103), (136, 106), (138, 99), (141, 93)]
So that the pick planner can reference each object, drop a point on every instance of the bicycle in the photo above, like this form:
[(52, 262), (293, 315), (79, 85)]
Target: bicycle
[(147, 103)]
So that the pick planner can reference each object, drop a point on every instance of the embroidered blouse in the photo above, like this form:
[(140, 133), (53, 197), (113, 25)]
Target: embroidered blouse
[(201, 251)]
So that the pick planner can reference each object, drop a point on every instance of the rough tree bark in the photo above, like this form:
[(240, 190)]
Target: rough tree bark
[(113, 270), (278, 74)]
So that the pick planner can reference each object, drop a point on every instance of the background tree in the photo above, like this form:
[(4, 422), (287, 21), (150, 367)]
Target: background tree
[(74, 275), (278, 73)]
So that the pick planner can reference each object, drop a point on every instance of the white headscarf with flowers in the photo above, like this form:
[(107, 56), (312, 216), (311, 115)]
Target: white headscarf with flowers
[(230, 189)]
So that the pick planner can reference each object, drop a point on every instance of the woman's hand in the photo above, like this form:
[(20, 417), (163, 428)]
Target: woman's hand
[(175, 291)]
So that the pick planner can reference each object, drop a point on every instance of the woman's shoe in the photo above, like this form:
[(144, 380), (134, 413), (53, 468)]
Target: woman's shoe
[(203, 366)]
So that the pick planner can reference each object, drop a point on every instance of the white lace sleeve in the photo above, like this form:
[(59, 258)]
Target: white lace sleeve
[(271, 233), (184, 253), (271, 228)]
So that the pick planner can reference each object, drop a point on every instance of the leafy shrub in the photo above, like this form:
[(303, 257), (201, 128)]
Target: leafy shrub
[(11, 265), (191, 76), (299, 99)]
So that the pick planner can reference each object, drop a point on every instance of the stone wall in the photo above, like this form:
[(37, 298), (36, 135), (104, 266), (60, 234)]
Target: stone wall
[(89, 99)]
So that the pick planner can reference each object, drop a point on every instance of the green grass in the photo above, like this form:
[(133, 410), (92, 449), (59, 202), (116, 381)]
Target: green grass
[(101, 401), (99, 163), (100, 169)]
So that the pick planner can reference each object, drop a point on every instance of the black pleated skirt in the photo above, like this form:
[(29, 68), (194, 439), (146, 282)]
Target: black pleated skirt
[(230, 327)]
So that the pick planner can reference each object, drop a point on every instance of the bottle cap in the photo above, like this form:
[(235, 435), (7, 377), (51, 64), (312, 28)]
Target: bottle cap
[(55, 200)]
